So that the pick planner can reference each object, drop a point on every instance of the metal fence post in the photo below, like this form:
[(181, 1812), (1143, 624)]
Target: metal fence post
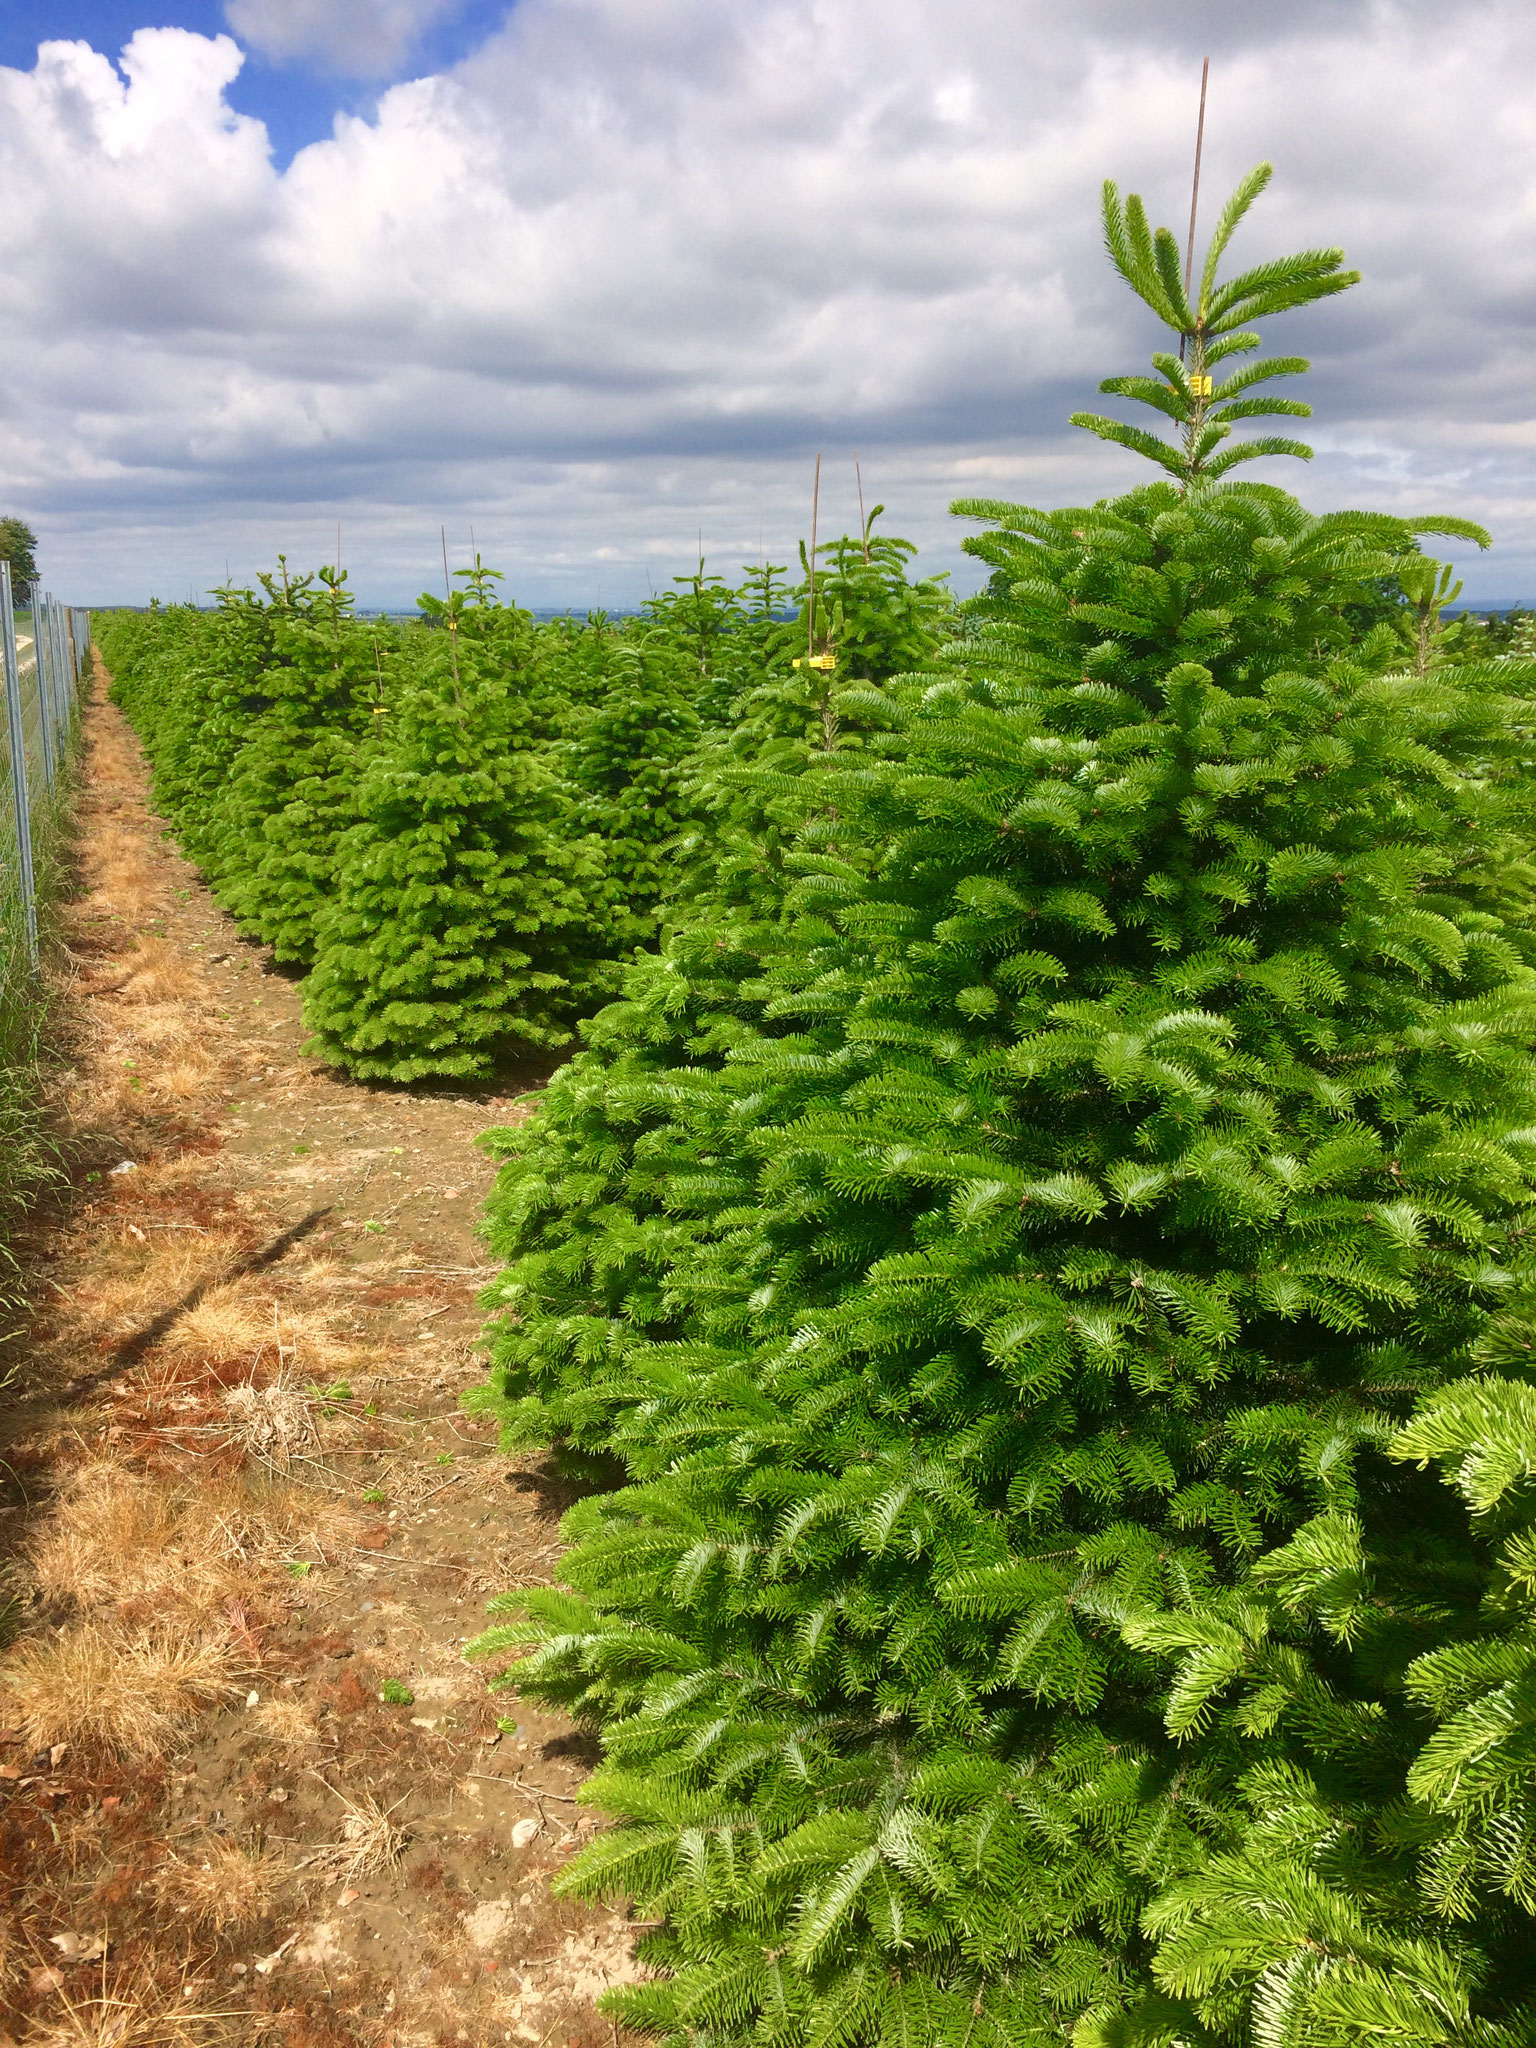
[(61, 673), (66, 676), (44, 689), (18, 738)]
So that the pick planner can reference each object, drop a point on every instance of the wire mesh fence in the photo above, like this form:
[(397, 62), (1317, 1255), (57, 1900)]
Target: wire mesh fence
[(43, 648)]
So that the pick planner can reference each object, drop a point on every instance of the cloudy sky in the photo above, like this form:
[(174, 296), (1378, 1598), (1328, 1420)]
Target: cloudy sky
[(592, 278)]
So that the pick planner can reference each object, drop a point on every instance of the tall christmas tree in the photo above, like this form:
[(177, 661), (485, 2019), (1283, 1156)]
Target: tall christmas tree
[(460, 910), (291, 793), (1125, 1121), (624, 757)]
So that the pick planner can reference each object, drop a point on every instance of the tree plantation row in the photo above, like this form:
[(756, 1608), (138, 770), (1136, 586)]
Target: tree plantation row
[(463, 831), (1036, 1241)]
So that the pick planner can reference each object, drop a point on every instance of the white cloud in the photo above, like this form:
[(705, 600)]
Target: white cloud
[(624, 271), (356, 38)]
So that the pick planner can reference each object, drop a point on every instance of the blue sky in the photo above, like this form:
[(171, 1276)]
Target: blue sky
[(297, 97), (591, 278)]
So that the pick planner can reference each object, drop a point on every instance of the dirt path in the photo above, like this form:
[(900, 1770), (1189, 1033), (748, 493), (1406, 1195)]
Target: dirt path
[(248, 1785)]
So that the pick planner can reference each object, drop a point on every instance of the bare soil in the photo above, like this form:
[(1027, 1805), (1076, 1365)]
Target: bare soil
[(249, 1785)]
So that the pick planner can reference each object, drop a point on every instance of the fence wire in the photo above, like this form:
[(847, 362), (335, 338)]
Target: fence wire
[(43, 650)]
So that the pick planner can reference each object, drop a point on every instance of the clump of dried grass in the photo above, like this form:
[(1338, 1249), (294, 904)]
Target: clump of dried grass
[(185, 1080), (275, 1423), (220, 1885), (162, 1029), (130, 1693), (158, 973), (226, 1323), (132, 2010), (370, 1840), (118, 1535), (145, 1279), (285, 1723)]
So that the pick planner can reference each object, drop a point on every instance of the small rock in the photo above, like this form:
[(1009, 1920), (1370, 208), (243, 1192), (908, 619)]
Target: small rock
[(57, 1754), (279, 1795), (124, 1166), (79, 1948), (350, 1896), (269, 1963), (253, 1699), (525, 1831), (112, 1802)]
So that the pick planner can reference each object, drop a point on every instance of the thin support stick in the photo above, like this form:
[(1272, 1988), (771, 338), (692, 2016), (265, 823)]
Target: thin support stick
[(453, 638), (1194, 195), (810, 609), (863, 527)]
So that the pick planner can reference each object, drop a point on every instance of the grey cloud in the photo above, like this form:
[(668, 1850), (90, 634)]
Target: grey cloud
[(632, 264), (353, 38)]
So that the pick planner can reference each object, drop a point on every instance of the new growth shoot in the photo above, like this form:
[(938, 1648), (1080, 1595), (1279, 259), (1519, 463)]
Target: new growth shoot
[(1211, 326)]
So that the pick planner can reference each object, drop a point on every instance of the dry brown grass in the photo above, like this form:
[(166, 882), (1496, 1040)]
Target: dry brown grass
[(131, 1693), (370, 1840), (118, 1535), (120, 864), (159, 1029), (221, 1886), (230, 1321), (285, 1723), (129, 2009), (158, 973), (275, 1423), (185, 1080), (141, 1280)]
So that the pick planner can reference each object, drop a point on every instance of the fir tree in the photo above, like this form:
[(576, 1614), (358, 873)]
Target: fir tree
[(460, 909), (811, 685), (623, 757), (1377, 1676), (878, 622), (1123, 1118), (291, 793)]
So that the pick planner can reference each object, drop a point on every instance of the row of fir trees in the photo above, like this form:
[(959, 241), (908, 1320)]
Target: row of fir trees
[(462, 827), (1036, 1269), (1039, 1263)]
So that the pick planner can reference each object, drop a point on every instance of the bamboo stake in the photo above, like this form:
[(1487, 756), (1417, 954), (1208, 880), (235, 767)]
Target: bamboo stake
[(453, 638), (863, 525), (1194, 196), (810, 609)]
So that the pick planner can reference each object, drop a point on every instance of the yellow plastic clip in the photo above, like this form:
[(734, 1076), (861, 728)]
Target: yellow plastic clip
[(1202, 386)]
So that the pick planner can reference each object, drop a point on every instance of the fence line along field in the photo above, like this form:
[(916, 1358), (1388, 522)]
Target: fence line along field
[(44, 654), (999, 1446)]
